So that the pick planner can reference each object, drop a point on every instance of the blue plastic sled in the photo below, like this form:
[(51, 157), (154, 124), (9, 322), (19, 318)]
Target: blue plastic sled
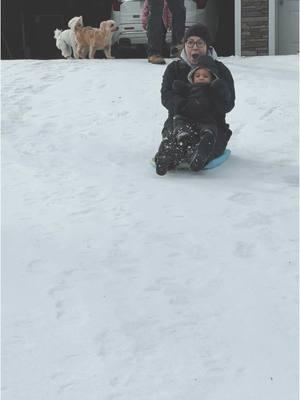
[(212, 164), (219, 160)]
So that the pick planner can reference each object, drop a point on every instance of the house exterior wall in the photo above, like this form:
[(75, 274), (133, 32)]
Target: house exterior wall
[(254, 27)]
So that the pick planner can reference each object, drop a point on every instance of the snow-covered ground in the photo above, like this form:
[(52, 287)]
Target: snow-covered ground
[(118, 284)]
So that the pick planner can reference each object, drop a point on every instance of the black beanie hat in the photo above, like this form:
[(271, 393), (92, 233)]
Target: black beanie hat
[(200, 31)]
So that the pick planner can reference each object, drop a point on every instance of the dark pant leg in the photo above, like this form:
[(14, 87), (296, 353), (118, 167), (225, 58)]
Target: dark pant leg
[(155, 28), (170, 153), (178, 11), (204, 149), (222, 138), (164, 47), (167, 128), (185, 131)]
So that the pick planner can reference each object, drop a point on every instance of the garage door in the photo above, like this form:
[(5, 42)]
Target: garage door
[(288, 26)]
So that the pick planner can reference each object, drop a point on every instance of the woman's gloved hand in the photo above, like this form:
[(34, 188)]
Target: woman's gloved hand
[(220, 89)]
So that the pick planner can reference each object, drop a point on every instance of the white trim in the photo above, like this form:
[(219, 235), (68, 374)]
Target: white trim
[(237, 27), (272, 27)]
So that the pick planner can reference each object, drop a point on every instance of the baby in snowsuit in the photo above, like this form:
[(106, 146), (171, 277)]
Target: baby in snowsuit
[(197, 128)]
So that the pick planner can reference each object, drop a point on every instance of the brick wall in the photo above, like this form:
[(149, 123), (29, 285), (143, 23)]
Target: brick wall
[(254, 27)]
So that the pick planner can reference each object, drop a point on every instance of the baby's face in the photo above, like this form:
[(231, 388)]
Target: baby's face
[(202, 75)]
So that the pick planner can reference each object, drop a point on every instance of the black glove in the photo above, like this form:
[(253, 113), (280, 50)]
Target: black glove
[(220, 89), (221, 94), (180, 87)]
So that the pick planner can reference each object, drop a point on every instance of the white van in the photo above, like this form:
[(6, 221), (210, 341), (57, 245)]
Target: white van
[(127, 14)]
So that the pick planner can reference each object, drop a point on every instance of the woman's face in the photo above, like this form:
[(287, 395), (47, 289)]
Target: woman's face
[(195, 47)]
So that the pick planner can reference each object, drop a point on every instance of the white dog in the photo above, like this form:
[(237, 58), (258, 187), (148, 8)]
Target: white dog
[(65, 42)]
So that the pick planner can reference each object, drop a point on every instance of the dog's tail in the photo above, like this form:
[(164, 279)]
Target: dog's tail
[(57, 33), (75, 23)]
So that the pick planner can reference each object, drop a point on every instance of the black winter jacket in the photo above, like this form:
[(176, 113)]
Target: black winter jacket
[(222, 92), (201, 107)]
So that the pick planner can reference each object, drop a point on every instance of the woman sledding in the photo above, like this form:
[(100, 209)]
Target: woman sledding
[(198, 91)]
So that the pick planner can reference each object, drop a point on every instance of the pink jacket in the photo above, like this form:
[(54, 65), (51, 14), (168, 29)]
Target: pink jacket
[(167, 16)]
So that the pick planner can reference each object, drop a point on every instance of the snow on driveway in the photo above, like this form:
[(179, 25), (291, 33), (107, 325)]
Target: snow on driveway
[(120, 284)]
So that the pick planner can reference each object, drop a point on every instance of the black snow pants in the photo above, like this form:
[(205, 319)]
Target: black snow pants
[(155, 31), (181, 141), (223, 135)]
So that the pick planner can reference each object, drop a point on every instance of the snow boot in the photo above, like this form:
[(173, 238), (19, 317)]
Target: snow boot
[(203, 150), (156, 59), (169, 155)]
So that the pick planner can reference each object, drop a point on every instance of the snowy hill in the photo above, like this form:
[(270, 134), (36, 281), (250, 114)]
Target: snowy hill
[(120, 284)]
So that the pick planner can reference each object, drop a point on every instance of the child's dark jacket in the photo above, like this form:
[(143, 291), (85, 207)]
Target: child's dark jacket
[(201, 106)]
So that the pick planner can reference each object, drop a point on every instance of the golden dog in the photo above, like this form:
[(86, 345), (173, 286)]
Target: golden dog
[(90, 39)]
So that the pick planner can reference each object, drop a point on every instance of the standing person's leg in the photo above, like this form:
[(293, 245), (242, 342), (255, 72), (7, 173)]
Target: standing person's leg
[(155, 31), (164, 47), (178, 11)]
